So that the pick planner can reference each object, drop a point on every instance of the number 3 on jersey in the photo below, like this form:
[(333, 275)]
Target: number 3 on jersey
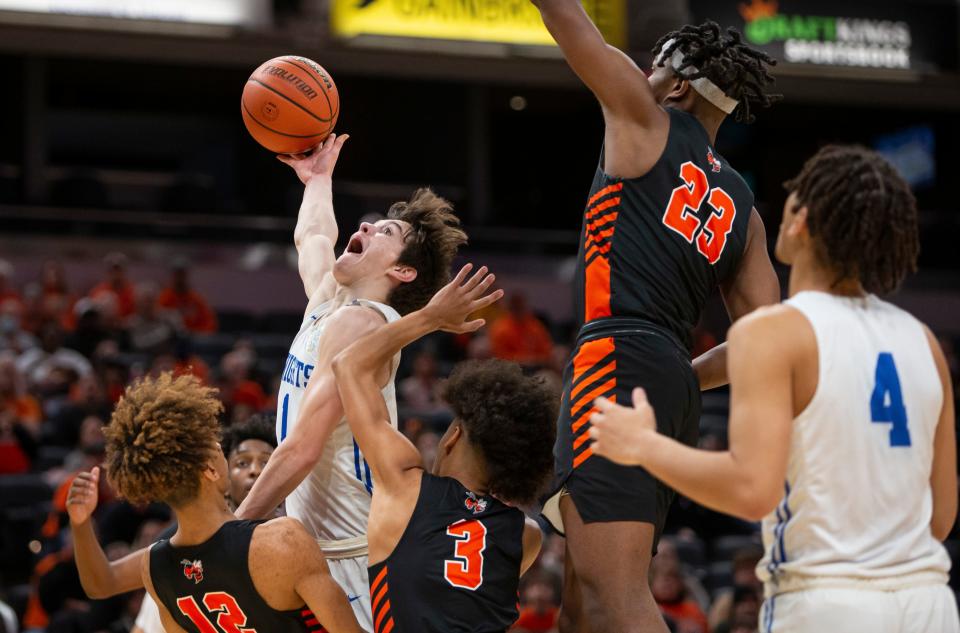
[(466, 569), (886, 403), (687, 199)]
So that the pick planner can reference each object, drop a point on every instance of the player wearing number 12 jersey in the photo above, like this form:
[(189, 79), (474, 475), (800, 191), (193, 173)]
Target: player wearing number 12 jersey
[(215, 574), (446, 551), (841, 419), (667, 221)]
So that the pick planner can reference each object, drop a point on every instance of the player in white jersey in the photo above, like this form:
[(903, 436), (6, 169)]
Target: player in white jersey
[(841, 419), (388, 269)]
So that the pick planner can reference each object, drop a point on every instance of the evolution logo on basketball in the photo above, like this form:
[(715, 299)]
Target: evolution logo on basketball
[(828, 40), (293, 79)]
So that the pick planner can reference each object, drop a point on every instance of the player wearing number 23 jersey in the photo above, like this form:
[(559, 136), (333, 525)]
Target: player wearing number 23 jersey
[(446, 551), (842, 419)]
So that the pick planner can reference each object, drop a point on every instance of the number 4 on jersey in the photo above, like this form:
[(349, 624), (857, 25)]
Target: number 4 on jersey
[(886, 403)]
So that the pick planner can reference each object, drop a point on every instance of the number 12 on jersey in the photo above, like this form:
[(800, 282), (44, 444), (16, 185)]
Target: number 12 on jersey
[(886, 403)]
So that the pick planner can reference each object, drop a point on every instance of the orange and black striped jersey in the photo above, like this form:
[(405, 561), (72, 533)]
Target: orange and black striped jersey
[(654, 247), (456, 568), (210, 583)]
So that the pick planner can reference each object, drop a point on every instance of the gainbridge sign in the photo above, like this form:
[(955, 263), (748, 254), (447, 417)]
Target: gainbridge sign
[(503, 21), (877, 34)]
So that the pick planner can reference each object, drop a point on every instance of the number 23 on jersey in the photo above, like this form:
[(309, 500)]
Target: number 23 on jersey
[(686, 200)]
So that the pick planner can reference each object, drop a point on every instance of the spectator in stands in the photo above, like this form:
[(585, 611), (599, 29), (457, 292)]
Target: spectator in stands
[(151, 328), (95, 323), (116, 285), (723, 610), (427, 443), (744, 611), (50, 299), (13, 393), (20, 417), (241, 395), (539, 612), (180, 360), (37, 364), (420, 392), (520, 336), (669, 589), (195, 311), (8, 294), (13, 336), (83, 398)]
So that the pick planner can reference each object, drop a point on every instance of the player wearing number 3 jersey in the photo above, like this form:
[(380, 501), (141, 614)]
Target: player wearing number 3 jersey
[(215, 574), (446, 551), (668, 220), (841, 421)]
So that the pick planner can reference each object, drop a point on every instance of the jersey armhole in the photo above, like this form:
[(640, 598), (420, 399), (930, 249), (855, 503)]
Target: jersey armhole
[(820, 364), (407, 529)]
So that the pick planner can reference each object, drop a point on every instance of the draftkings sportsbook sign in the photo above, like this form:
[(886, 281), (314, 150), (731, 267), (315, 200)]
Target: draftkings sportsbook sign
[(854, 33), (502, 21)]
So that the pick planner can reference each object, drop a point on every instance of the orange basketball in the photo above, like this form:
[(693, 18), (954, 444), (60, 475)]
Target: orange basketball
[(290, 104)]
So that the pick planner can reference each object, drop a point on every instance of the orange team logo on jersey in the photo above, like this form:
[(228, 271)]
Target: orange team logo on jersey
[(473, 504), (193, 570), (714, 163)]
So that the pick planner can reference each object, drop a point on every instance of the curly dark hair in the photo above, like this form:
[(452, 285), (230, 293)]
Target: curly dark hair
[(160, 438), (737, 69), (431, 245), (861, 214), (511, 419), (261, 426)]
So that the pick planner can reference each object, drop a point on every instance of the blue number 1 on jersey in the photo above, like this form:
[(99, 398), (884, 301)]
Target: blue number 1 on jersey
[(886, 403)]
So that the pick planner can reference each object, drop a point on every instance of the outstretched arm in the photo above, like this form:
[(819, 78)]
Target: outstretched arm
[(388, 452), (319, 414), (754, 285), (747, 480), (315, 235), (943, 475), (619, 85), (99, 577)]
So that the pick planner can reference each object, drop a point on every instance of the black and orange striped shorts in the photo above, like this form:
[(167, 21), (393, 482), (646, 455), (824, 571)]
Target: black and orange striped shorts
[(612, 367)]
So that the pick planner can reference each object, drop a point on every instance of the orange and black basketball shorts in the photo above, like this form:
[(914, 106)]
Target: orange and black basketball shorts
[(612, 366)]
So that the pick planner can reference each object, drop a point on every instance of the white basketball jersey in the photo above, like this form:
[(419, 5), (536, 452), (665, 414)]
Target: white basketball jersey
[(333, 502), (857, 501)]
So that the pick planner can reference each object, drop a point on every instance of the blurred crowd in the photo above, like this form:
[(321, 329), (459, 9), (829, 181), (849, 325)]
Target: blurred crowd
[(67, 353)]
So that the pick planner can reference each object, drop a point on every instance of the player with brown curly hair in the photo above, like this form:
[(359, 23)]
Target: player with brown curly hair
[(446, 549), (668, 221), (842, 434), (162, 444), (388, 268)]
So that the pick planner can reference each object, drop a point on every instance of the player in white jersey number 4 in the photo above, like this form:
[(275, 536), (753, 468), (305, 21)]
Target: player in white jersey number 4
[(841, 419), (387, 269)]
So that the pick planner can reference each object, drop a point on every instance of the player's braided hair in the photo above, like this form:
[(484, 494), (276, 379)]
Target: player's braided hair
[(511, 419), (861, 214), (431, 245), (740, 71), (160, 438)]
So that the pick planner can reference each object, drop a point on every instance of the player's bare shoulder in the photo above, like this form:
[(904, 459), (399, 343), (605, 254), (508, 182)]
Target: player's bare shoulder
[(282, 552), (779, 328)]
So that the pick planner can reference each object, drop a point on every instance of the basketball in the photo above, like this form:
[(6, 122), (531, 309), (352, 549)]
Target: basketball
[(290, 104)]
